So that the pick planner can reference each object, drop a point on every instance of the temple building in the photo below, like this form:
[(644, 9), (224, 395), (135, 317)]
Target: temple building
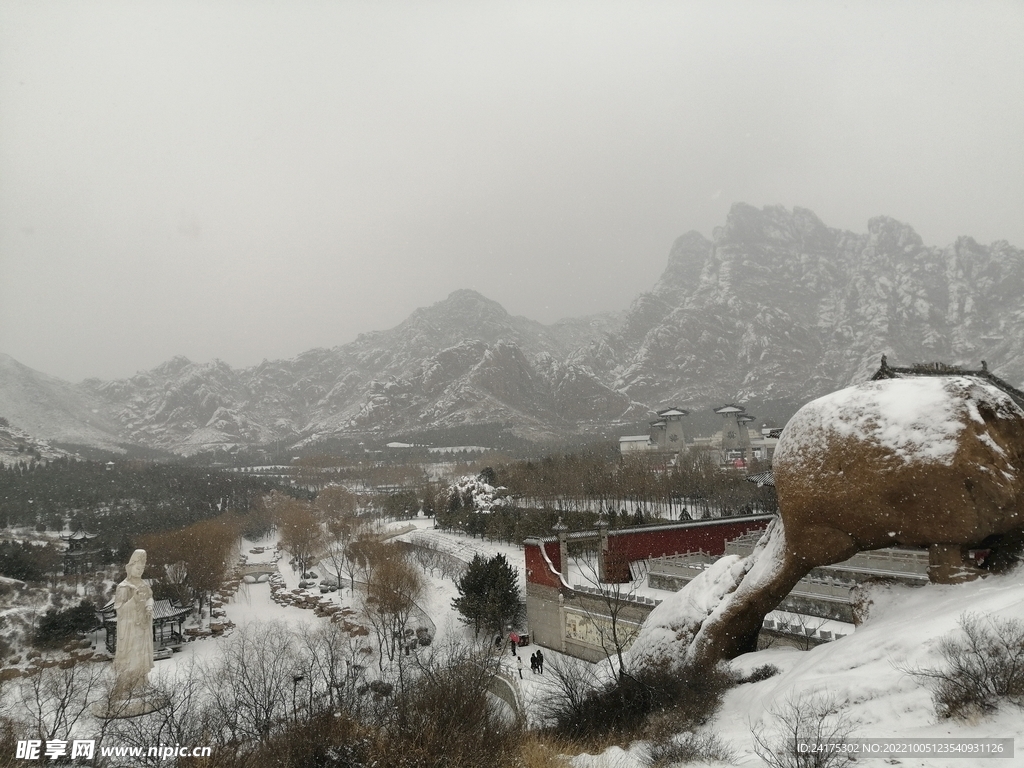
[(666, 436), (733, 445), (81, 555)]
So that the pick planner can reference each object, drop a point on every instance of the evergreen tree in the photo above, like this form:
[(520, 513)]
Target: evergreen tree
[(489, 594), (472, 586), (56, 626), (503, 604)]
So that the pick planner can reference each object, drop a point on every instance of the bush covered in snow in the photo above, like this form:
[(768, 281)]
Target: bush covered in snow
[(984, 665), (474, 494)]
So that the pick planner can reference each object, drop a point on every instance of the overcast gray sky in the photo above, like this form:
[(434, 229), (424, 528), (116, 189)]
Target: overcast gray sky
[(248, 180)]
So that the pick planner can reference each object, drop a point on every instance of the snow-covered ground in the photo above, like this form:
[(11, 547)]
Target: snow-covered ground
[(866, 671)]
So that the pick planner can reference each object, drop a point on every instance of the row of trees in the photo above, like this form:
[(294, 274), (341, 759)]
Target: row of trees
[(330, 529), (588, 480)]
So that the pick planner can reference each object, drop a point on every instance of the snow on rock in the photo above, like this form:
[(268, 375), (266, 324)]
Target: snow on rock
[(915, 419), (670, 627), (870, 675), (677, 627)]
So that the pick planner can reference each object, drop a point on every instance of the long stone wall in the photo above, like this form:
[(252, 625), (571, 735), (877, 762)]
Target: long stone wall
[(580, 623)]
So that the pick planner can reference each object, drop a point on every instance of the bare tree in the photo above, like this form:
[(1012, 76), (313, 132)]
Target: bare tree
[(182, 721), (338, 511), (252, 682), (203, 550), (54, 699), (300, 531), (392, 590), (800, 720), (612, 610), (336, 665)]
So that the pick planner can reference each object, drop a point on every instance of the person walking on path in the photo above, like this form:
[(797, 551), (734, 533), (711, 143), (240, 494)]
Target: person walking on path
[(540, 661), (519, 665), (533, 663), (513, 640)]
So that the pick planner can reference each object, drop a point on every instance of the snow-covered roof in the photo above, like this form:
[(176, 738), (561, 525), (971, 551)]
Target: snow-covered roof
[(163, 610), (762, 478), (634, 438), (673, 412), (730, 408), (79, 535)]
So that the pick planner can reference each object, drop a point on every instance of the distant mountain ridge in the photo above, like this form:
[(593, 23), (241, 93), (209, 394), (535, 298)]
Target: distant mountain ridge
[(776, 306)]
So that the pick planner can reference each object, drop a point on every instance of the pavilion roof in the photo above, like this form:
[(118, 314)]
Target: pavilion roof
[(730, 408), (886, 371), (79, 535), (163, 610), (762, 478)]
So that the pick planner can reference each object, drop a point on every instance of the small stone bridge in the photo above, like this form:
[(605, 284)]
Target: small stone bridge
[(505, 688), (256, 569)]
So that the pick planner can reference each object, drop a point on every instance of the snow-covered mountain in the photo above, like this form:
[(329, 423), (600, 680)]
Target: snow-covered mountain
[(464, 360), (779, 306), (41, 407), (775, 307)]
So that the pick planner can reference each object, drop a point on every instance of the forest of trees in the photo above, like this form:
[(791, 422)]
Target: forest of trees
[(128, 497), (125, 503)]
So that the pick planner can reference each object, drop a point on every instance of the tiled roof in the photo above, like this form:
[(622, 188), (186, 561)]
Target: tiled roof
[(886, 371)]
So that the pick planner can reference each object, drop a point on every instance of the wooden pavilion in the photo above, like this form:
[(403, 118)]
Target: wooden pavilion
[(165, 616)]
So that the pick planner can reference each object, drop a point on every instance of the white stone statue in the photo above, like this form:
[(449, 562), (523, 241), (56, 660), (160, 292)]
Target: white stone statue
[(133, 603), (131, 694)]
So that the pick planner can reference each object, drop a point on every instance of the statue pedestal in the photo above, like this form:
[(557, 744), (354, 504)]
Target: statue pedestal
[(140, 703)]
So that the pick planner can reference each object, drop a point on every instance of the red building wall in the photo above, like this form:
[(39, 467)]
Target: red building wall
[(537, 571), (704, 536), (634, 544)]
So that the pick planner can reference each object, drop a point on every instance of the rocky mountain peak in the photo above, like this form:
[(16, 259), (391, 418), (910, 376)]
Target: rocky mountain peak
[(889, 235), (773, 225), (465, 308), (686, 259), (171, 367)]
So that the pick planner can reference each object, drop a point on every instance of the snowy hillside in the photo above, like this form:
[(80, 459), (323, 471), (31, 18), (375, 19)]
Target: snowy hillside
[(868, 675), (19, 447), (50, 409)]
